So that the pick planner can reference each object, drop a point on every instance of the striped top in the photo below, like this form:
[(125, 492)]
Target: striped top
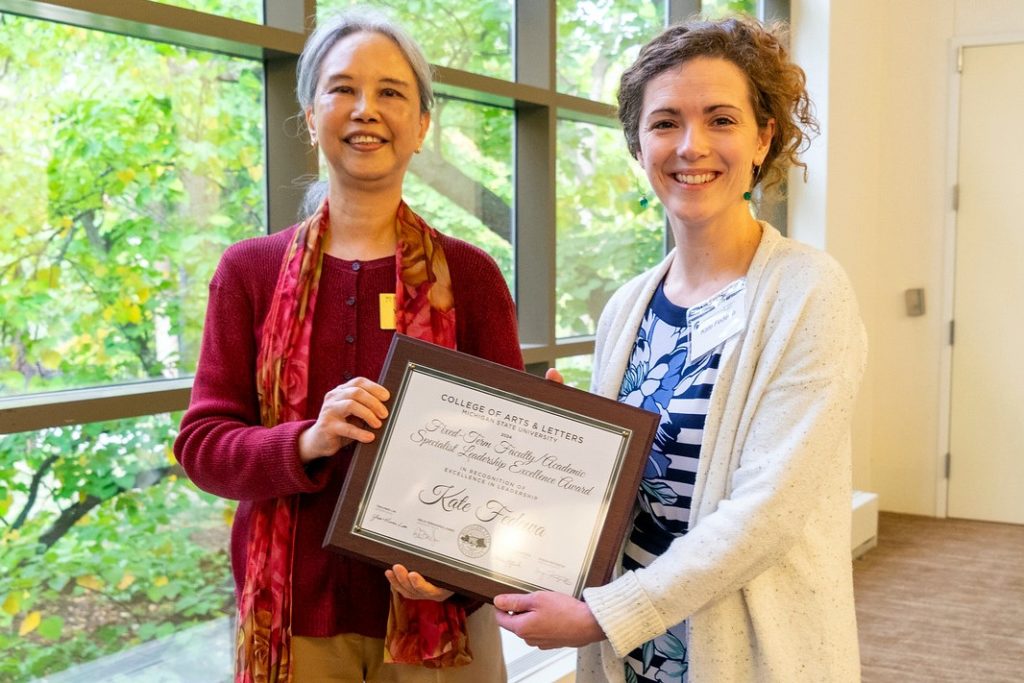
[(662, 378)]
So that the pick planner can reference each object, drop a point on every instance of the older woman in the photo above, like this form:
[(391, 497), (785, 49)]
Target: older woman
[(750, 347), (298, 322)]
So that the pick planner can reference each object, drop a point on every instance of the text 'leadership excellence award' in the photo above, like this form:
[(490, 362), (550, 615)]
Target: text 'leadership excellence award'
[(487, 480)]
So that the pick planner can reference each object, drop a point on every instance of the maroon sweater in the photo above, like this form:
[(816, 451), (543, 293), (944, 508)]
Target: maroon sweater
[(225, 451)]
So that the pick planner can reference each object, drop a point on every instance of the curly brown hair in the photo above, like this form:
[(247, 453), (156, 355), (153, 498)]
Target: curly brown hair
[(777, 86)]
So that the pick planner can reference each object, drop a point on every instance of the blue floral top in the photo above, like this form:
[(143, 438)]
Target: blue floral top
[(662, 378)]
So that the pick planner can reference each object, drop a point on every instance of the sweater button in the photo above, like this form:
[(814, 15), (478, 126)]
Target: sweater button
[(350, 339), (356, 265), (351, 301), (348, 376)]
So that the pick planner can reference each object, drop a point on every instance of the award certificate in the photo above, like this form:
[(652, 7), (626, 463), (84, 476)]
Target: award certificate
[(487, 480)]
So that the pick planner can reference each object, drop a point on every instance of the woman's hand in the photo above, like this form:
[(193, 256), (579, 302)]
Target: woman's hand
[(347, 409), (548, 620), (554, 376), (413, 586)]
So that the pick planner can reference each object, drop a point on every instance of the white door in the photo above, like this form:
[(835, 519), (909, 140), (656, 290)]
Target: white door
[(987, 394)]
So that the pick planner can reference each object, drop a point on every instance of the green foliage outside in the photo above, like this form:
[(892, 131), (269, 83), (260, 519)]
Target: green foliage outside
[(469, 35), (605, 236), (244, 10), (713, 9), (117, 549), (461, 182), (598, 39), (126, 168), (576, 370)]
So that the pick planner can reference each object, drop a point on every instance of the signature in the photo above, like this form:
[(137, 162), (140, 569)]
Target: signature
[(555, 578), (387, 520), (428, 534)]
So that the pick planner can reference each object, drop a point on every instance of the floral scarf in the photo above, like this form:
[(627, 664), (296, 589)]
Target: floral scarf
[(424, 632)]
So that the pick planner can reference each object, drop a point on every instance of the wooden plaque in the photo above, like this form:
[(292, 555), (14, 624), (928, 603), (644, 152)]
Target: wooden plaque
[(487, 480)]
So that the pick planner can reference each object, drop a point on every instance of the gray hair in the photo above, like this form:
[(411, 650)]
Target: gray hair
[(356, 20)]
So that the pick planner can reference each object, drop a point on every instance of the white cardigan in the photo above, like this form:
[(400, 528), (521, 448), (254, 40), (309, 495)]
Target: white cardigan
[(764, 575)]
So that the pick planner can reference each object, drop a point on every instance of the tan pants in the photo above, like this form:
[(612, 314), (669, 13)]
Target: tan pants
[(355, 659)]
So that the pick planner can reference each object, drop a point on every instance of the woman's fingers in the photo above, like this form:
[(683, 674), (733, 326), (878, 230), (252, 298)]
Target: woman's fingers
[(514, 602), (372, 397), (345, 430), (554, 376), (346, 412), (368, 385), (358, 398), (547, 620), (346, 408), (412, 585)]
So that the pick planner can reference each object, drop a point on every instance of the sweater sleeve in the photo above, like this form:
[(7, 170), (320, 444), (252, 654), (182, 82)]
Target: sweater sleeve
[(221, 445), (485, 313), (793, 432)]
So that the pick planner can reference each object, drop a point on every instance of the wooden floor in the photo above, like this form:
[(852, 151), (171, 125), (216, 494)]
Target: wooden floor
[(941, 600)]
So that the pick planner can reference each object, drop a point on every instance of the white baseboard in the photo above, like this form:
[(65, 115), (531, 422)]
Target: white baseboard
[(864, 531)]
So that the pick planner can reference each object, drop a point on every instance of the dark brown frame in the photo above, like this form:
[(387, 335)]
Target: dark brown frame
[(407, 353)]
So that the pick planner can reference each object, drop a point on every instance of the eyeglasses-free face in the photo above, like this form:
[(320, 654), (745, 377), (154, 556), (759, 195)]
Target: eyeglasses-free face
[(366, 114), (699, 142)]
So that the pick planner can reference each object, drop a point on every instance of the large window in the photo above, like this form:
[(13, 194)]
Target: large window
[(136, 143), (461, 182), (107, 545), (127, 166), (598, 39), (610, 226)]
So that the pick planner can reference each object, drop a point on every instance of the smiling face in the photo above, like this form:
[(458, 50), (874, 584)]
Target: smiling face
[(699, 142), (366, 113)]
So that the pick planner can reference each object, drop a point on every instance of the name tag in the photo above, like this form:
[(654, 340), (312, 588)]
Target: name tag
[(387, 311), (715, 320)]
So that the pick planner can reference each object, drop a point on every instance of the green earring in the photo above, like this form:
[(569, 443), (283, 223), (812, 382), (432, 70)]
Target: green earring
[(756, 175), (644, 201)]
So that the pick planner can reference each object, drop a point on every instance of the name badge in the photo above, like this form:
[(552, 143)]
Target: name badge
[(715, 320), (387, 311)]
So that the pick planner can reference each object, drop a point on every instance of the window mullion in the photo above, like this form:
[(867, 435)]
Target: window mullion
[(535, 41)]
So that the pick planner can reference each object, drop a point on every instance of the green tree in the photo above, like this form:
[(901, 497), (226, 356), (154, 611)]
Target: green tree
[(131, 166), (598, 39), (720, 8)]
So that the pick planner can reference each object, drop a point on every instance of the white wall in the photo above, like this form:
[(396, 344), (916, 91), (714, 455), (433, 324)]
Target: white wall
[(877, 199)]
